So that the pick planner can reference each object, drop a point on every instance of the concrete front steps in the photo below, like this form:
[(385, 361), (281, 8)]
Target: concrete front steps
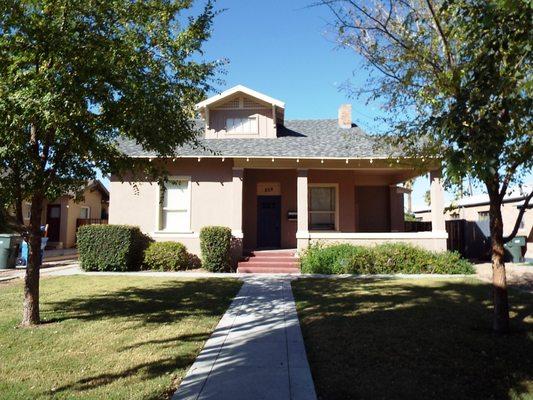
[(270, 262)]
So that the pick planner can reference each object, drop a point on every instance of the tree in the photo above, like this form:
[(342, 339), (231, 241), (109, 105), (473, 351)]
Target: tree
[(79, 76), (455, 78), (427, 198)]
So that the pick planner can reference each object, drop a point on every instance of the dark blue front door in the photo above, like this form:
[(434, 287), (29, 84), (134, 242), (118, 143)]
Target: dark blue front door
[(269, 221)]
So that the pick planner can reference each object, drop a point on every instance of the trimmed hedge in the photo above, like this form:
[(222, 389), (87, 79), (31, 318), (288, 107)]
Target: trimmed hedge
[(111, 247), (390, 258), (166, 256), (215, 244)]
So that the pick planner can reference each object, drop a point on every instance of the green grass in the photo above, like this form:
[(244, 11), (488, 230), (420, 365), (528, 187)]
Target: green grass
[(107, 337), (413, 339)]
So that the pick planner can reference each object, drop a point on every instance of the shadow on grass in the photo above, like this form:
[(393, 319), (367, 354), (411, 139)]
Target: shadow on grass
[(402, 340), (168, 302)]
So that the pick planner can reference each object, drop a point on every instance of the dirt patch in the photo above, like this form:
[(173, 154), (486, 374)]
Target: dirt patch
[(518, 275)]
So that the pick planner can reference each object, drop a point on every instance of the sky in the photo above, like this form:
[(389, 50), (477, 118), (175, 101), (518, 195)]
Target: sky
[(283, 48)]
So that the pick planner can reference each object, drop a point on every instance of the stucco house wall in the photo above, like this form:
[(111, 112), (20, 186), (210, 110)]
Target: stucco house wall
[(211, 200)]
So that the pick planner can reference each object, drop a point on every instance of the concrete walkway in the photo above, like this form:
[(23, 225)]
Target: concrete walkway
[(256, 352)]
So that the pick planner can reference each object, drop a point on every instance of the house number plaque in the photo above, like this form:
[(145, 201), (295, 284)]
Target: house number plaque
[(268, 189)]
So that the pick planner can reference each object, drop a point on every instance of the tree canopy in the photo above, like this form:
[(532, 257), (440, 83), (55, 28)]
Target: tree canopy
[(78, 76), (455, 79)]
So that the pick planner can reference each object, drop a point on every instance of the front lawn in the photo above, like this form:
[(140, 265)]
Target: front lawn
[(108, 337), (413, 339)]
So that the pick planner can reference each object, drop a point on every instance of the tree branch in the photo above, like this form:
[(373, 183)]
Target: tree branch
[(519, 218), (440, 31)]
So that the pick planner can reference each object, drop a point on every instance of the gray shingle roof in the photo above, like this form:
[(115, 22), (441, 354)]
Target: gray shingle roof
[(297, 138)]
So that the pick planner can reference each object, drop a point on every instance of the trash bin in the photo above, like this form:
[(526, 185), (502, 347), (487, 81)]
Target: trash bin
[(514, 247), (9, 244)]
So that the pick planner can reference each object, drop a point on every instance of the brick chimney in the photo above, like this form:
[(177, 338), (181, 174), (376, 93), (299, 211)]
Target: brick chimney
[(345, 116)]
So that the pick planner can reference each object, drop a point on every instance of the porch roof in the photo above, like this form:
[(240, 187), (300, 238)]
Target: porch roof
[(296, 138)]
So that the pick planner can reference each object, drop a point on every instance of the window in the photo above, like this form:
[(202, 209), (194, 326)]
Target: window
[(242, 125), (323, 207), (175, 206), (483, 216), (85, 212), (454, 215)]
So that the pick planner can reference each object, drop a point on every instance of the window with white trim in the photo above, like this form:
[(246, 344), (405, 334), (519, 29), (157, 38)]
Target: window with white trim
[(85, 212), (323, 207), (242, 125), (483, 216), (175, 205)]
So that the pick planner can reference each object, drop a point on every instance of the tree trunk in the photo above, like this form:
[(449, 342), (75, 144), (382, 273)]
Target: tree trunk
[(18, 212), (30, 313), (499, 281)]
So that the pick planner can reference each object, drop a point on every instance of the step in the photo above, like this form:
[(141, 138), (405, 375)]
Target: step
[(267, 270), (271, 264), (272, 253), (271, 259)]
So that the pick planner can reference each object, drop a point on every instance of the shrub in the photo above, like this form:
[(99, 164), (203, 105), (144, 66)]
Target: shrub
[(215, 244), (390, 258), (110, 247), (166, 256), (194, 261)]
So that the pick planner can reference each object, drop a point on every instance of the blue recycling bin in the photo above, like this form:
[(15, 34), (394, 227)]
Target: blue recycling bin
[(25, 251)]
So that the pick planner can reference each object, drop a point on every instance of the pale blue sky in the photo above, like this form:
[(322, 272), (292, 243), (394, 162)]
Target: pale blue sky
[(281, 48)]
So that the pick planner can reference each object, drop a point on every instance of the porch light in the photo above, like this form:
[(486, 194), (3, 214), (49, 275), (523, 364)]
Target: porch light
[(223, 159), (322, 161), (272, 160), (297, 160), (397, 161), (247, 159), (199, 159), (173, 160), (149, 160), (371, 161), (346, 161)]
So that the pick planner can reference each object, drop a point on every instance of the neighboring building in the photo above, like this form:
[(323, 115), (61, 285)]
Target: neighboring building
[(64, 215), (476, 209), (276, 183)]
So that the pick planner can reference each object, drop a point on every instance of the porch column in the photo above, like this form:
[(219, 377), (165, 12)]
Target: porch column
[(302, 235), (437, 201), (236, 214)]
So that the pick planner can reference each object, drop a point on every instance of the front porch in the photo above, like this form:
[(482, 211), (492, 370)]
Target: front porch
[(285, 204)]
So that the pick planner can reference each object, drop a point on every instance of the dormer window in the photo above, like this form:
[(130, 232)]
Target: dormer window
[(242, 125)]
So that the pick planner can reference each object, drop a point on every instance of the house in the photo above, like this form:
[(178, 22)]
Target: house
[(476, 209), (278, 184), (65, 214)]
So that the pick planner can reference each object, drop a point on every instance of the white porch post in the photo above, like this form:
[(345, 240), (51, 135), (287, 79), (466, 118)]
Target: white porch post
[(437, 202), (237, 182), (302, 235)]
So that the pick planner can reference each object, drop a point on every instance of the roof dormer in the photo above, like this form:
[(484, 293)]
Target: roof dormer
[(241, 112)]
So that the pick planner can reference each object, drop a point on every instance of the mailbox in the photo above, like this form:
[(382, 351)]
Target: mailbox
[(292, 215)]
